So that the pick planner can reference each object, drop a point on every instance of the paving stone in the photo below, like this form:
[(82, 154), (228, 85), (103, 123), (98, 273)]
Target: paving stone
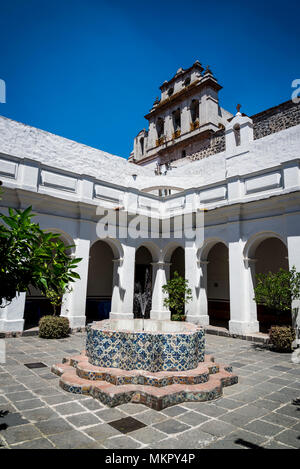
[(70, 440), (69, 408), (12, 419), (263, 428), (210, 409), (276, 445), (193, 418), (228, 404), (20, 396), (83, 420), (174, 411), (290, 410), (132, 409), (36, 415), (101, 432), (92, 404), (279, 419), (59, 398), (147, 435), (194, 439), (217, 428), (108, 415), (121, 442), (20, 433), (289, 437), (266, 404), (53, 426), (171, 426), (39, 443), (151, 416)]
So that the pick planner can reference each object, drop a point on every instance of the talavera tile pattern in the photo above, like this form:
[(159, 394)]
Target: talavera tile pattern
[(143, 350)]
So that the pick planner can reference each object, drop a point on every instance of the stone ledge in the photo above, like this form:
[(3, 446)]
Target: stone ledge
[(220, 331)]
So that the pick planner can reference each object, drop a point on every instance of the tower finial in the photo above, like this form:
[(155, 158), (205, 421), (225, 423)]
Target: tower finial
[(238, 108)]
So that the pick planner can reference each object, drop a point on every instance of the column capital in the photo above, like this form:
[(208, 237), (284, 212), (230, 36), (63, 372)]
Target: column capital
[(161, 264), (249, 262), (119, 260)]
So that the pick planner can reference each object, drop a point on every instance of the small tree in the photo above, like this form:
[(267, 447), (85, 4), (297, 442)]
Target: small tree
[(30, 256), (179, 294), (277, 290)]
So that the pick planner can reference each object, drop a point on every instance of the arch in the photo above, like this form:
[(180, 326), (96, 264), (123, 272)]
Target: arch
[(100, 279), (207, 246), (162, 188), (218, 293), (177, 261), (114, 244), (259, 256), (254, 241), (152, 248), (169, 249), (143, 278)]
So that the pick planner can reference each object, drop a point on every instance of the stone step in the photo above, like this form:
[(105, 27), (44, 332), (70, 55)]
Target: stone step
[(155, 397), (119, 377)]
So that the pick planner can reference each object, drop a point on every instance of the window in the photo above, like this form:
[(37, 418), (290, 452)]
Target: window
[(194, 110), (187, 81), (176, 120), (170, 91), (183, 154), (237, 134), (160, 127), (142, 145)]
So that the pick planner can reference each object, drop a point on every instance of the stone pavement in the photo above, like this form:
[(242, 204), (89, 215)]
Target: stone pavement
[(262, 411)]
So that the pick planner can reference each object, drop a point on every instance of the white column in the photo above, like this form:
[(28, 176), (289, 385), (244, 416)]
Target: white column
[(195, 273), (123, 289), (160, 274), (12, 315), (293, 243), (74, 302), (243, 319)]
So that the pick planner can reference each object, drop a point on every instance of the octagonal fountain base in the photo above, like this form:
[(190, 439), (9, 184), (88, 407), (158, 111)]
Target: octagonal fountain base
[(162, 365)]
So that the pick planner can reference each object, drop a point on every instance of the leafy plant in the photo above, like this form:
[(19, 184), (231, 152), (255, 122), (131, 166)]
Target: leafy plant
[(282, 337), (179, 294), (53, 327), (277, 290), (30, 256)]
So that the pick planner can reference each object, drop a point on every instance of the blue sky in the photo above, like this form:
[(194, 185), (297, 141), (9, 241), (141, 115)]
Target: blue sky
[(89, 70)]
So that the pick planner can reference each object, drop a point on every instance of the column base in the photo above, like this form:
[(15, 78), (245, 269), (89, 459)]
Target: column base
[(76, 322), (113, 315), (14, 325), (242, 328), (160, 315), (201, 320)]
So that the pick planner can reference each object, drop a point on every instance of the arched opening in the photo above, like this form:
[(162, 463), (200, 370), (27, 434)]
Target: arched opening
[(177, 262), (237, 134), (160, 127), (218, 286), (100, 282), (270, 255), (142, 280), (142, 145), (36, 304), (176, 120), (194, 110)]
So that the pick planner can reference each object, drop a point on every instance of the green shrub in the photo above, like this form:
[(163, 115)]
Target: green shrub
[(281, 337), (178, 317), (53, 327)]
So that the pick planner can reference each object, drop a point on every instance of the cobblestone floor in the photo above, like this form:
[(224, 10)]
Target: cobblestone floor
[(263, 410)]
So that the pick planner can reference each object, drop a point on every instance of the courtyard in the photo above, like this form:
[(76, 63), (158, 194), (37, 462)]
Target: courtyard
[(260, 412)]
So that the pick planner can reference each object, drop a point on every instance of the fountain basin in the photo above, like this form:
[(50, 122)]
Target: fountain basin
[(161, 346)]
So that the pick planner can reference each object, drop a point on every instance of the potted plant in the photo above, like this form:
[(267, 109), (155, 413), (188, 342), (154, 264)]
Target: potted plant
[(178, 295), (277, 291)]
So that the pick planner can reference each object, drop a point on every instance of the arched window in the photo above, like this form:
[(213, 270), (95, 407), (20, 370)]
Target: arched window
[(194, 110), (176, 119), (237, 134), (160, 127), (142, 145)]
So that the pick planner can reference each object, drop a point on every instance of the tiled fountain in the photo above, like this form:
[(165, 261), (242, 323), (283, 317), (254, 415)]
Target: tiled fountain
[(156, 363)]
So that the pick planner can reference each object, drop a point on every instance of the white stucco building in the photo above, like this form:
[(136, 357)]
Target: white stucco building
[(244, 171)]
